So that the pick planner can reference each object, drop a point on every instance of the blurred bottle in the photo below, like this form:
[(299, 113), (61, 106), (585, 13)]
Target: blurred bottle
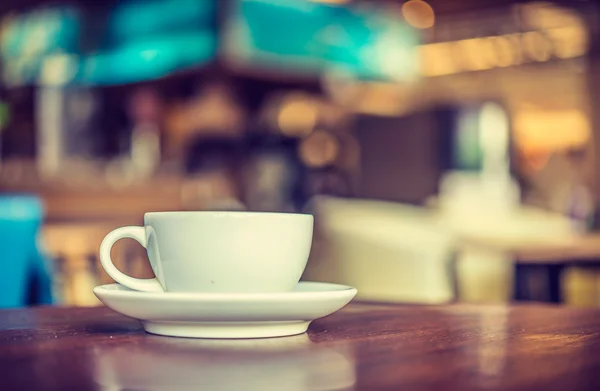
[(272, 174), (145, 109), (67, 126), (211, 168), (212, 124), (60, 278)]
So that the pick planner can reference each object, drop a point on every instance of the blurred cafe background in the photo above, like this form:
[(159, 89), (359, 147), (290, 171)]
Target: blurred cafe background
[(448, 149)]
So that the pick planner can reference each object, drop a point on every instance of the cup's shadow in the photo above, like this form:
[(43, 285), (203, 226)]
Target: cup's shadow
[(291, 363)]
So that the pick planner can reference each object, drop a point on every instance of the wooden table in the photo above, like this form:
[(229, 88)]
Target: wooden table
[(362, 347)]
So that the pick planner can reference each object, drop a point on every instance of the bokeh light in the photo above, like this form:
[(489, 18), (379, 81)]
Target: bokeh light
[(418, 14)]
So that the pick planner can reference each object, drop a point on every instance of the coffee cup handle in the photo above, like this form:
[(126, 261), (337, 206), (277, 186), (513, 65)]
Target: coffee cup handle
[(138, 284)]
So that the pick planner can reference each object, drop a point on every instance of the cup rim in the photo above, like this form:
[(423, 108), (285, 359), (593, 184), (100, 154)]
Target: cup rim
[(225, 212)]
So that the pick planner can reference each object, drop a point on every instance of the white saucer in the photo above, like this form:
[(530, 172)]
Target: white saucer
[(228, 315)]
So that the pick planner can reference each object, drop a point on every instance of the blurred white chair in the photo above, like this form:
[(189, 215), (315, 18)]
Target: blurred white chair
[(390, 252), (486, 212)]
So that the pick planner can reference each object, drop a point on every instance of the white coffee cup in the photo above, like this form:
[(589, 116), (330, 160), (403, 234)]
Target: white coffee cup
[(217, 251)]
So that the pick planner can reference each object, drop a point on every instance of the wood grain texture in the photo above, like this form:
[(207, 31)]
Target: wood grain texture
[(362, 347)]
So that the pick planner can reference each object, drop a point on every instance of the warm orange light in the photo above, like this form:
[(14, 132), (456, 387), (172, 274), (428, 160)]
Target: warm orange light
[(477, 54), (537, 130), (379, 98), (537, 46), (535, 161), (319, 149), (569, 42), (297, 117), (555, 34), (436, 60), (418, 14)]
